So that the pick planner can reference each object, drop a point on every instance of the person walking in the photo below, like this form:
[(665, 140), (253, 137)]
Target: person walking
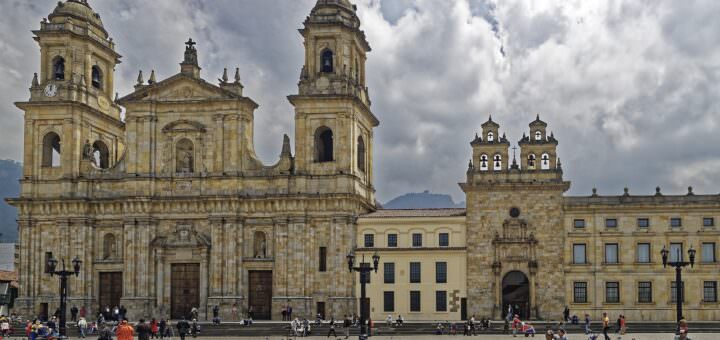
[(124, 331), (587, 323), (566, 314), (289, 311), (346, 324), (515, 325), (82, 327), (606, 325), (183, 327), (162, 325), (73, 313), (216, 315), (623, 326), (154, 328), (332, 328), (143, 330)]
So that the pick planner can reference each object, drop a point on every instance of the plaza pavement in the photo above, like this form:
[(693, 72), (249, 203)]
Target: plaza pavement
[(653, 336)]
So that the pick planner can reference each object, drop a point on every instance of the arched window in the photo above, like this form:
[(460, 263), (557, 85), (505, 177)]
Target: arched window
[(101, 155), (361, 153), (326, 61), (51, 150), (545, 161), (109, 246), (184, 156), (538, 135), (59, 68), (490, 137), (97, 77), (484, 162), (497, 162), (323, 144), (531, 161), (259, 245)]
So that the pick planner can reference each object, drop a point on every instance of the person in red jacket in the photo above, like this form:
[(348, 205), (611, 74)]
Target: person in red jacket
[(516, 325)]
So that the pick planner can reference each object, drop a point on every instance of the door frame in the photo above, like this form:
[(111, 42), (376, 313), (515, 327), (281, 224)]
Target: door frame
[(199, 279), (525, 305)]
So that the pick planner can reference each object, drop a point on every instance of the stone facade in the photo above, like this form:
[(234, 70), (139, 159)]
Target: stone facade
[(177, 184)]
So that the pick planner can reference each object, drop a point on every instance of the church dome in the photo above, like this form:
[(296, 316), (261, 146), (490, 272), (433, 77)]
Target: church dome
[(77, 10), (342, 3)]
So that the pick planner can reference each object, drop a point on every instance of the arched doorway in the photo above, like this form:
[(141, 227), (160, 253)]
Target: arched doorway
[(516, 293)]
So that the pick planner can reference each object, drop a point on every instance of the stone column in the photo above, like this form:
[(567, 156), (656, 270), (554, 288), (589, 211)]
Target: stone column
[(219, 151), (216, 256), (129, 257)]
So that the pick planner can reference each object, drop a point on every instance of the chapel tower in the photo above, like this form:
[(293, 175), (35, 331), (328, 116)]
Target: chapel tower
[(333, 121), (514, 219), (72, 125)]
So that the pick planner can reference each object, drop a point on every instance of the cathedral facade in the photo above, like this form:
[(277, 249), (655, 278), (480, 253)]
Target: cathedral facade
[(170, 208)]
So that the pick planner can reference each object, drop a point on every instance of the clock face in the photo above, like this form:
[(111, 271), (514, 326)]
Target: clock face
[(51, 90)]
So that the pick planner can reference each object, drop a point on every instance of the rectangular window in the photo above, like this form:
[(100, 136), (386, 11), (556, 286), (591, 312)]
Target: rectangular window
[(676, 222), (48, 256), (708, 222), (414, 272), (579, 223), (676, 252), (643, 253), (323, 259), (645, 291), (708, 252), (579, 254), (444, 239), (440, 272), (610, 223), (417, 240), (612, 292), (441, 301), (580, 292), (414, 300), (643, 223), (673, 291), (710, 291), (388, 301), (389, 272), (611, 253), (392, 240), (369, 240)]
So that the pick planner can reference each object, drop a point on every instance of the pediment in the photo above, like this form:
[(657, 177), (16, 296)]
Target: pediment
[(184, 125), (179, 88), (185, 236)]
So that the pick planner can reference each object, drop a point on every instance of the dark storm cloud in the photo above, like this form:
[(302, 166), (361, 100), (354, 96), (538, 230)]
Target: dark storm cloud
[(629, 87)]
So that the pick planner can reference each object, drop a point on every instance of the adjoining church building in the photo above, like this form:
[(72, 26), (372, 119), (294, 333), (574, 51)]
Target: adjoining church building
[(170, 208)]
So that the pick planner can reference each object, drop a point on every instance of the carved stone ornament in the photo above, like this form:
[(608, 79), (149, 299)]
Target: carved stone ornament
[(184, 236)]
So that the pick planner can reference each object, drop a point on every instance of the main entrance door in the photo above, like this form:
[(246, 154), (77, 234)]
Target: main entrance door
[(184, 289), (110, 290), (260, 294), (516, 293)]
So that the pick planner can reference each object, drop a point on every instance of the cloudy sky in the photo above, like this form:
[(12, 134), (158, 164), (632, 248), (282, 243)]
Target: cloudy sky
[(630, 88)]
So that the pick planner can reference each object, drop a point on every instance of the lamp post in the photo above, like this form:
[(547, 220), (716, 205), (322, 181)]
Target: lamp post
[(679, 287), (63, 274), (364, 269)]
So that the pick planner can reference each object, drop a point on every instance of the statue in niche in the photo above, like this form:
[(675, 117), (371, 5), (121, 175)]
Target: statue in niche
[(184, 156), (87, 150), (260, 245)]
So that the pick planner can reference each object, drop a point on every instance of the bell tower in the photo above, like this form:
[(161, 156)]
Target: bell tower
[(72, 125), (333, 121)]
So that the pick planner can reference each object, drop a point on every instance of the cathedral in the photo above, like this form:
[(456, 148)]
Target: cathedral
[(169, 208)]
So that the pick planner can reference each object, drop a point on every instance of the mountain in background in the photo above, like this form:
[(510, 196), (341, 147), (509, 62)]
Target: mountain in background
[(10, 172), (422, 200)]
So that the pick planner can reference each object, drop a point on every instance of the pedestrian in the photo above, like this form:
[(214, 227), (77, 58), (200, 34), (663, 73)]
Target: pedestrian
[(306, 327), (162, 325), (154, 328), (682, 335), (400, 320), (183, 327), (235, 311), (74, 313), (332, 327), (623, 326), (683, 326), (562, 335), (515, 325), (194, 313), (606, 325), (82, 327), (289, 310), (284, 313), (566, 314), (587, 323), (250, 312), (194, 328), (105, 333), (123, 313), (389, 320), (347, 324), (124, 331), (143, 330)]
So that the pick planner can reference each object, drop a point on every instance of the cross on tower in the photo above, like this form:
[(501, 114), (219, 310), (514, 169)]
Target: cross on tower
[(514, 148), (190, 43)]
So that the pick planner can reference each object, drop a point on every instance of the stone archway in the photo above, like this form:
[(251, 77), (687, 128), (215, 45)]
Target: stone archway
[(516, 293)]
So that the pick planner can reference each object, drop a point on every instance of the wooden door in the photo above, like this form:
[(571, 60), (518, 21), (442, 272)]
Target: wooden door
[(184, 289), (110, 289), (260, 294)]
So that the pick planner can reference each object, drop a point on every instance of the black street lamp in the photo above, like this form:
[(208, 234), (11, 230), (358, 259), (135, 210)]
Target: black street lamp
[(63, 274), (679, 286), (364, 269)]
